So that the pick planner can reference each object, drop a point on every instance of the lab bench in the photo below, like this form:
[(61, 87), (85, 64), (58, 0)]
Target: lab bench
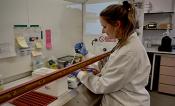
[(61, 98), (66, 98), (162, 75), (44, 79)]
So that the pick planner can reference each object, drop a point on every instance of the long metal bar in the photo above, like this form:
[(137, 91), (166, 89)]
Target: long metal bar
[(13, 92)]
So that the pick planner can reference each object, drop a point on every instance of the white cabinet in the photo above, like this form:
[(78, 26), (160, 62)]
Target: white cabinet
[(154, 6)]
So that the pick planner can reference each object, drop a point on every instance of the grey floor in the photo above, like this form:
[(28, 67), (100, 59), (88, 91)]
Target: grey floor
[(160, 99)]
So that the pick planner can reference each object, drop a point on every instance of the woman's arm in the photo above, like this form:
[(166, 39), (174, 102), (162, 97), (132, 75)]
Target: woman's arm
[(114, 75)]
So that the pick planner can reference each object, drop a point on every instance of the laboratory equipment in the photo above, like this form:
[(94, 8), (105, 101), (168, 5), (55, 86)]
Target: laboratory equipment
[(166, 41), (151, 25), (80, 48), (165, 44), (67, 60), (73, 82), (52, 64)]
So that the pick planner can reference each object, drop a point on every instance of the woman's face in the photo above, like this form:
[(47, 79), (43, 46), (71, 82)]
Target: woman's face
[(109, 29)]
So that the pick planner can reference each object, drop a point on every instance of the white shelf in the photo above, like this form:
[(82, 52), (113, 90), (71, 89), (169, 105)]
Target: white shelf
[(158, 13), (156, 29), (90, 1), (77, 1)]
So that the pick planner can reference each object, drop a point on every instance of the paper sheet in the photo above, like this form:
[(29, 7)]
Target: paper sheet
[(6, 50), (21, 42), (38, 45), (36, 53)]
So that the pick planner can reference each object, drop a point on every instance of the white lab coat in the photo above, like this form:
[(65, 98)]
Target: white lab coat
[(124, 76)]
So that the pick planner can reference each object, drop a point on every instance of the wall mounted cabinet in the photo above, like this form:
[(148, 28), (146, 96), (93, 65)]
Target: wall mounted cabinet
[(154, 6)]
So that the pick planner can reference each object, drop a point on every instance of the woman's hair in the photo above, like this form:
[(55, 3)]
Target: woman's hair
[(125, 14)]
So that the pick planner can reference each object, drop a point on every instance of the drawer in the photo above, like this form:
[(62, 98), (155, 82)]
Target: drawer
[(167, 89), (167, 61), (167, 80), (167, 70)]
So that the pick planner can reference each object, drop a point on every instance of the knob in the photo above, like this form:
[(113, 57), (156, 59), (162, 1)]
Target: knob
[(104, 49)]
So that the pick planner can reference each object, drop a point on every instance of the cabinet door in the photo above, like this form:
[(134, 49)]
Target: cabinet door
[(167, 88), (165, 70), (169, 80), (168, 60), (160, 5)]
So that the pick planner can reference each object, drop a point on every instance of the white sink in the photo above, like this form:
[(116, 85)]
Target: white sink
[(55, 88)]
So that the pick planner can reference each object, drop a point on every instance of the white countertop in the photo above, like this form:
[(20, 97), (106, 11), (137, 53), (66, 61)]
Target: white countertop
[(57, 88), (62, 98), (17, 82), (155, 50)]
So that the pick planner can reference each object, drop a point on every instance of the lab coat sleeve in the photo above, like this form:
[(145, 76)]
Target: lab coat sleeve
[(118, 72), (94, 65)]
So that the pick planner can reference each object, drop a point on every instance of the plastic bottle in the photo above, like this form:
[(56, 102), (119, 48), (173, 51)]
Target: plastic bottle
[(72, 81), (38, 62)]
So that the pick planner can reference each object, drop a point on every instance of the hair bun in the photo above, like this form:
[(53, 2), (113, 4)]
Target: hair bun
[(126, 5)]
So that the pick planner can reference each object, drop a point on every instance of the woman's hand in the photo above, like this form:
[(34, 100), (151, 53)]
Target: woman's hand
[(91, 70)]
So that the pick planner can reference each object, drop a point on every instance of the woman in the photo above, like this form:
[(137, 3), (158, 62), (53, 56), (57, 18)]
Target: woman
[(123, 79)]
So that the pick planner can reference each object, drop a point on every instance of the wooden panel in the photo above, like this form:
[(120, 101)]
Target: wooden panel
[(167, 61), (167, 70), (167, 89), (167, 80)]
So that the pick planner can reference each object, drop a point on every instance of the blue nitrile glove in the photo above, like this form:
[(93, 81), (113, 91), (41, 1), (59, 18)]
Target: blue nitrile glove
[(75, 73), (90, 70), (80, 48)]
